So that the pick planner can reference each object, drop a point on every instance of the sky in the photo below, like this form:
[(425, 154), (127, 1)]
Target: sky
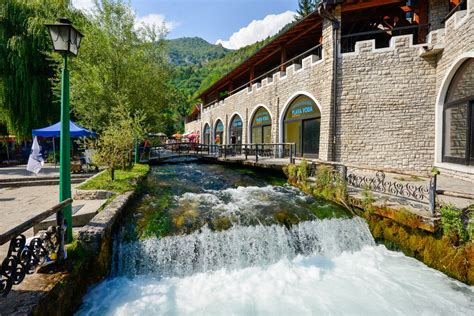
[(232, 23)]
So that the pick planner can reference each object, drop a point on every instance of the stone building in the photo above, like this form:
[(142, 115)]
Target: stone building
[(385, 84)]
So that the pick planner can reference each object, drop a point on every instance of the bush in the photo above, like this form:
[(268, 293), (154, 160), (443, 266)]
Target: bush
[(452, 224)]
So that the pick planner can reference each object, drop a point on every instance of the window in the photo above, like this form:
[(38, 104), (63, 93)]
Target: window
[(261, 127), (219, 133), (235, 133), (302, 126), (207, 134), (458, 117)]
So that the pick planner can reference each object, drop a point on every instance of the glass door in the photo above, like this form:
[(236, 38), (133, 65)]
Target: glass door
[(310, 137)]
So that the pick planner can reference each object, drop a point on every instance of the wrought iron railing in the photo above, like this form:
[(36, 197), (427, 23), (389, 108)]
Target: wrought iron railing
[(382, 37), (26, 254), (377, 181)]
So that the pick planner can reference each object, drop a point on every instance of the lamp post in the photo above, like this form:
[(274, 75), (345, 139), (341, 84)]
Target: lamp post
[(66, 41)]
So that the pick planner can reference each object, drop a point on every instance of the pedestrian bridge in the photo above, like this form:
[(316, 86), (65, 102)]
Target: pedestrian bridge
[(278, 154)]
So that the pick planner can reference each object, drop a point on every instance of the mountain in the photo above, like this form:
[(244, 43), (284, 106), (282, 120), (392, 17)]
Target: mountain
[(193, 51), (195, 72)]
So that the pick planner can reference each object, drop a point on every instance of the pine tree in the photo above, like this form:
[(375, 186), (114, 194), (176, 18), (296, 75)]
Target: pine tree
[(306, 7)]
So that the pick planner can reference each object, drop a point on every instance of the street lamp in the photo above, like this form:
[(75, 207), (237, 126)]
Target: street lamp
[(66, 41)]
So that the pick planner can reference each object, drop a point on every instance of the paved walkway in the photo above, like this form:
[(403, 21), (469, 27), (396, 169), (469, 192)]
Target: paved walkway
[(18, 204)]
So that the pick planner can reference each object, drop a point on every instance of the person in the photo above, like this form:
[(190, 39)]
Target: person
[(218, 142), (233, 141)]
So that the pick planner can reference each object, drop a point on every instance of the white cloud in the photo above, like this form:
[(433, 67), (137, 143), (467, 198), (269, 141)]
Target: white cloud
[(156, 20), (258, 30), (84, 5)]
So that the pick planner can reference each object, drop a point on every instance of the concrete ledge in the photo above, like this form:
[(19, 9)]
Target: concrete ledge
[(99, 229), (92, 194)]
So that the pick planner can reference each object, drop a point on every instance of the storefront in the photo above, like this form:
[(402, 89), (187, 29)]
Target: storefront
[(219, 133), (235, 130), (302, 125), (261, 131), (207, 134)]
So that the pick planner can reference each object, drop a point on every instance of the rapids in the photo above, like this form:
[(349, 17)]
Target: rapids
[(321, 265)]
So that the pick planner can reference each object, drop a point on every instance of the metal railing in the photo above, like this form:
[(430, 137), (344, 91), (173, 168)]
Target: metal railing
[(377, 181), (297, 60), (382, 37), (25, 255), (461, 6), (245, 151)]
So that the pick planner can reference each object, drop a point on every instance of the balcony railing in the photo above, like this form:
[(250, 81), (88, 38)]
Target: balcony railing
[(382, 37), (297, 60)]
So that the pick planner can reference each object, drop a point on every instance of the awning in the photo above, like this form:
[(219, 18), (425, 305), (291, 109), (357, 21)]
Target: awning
[(55, 131)]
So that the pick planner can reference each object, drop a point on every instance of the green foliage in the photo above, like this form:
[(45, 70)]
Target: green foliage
[(115, 144), (330, 185), (368, 199), (125, 180), (305, 7), (193, 51), (452, 224), (120, 67), (26, 99), (302, 171)]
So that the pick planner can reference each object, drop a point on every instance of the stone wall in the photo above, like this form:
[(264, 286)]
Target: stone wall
[(388, 98), (386, 110)]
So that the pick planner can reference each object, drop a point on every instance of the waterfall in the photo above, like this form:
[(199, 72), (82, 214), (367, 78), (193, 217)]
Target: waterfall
[(238, 247)]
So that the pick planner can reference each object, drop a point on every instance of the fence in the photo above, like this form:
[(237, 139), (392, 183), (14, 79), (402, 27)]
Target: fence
[(25, 255), (377, 181), (244, 151)]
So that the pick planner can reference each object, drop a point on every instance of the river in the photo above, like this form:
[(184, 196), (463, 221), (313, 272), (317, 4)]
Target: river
[(213, 240)]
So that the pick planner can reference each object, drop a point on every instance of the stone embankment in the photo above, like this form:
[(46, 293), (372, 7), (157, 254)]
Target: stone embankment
[(414, 233)]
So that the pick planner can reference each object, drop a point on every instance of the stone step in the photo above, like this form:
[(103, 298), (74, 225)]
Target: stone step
[(83, 211), (32, 183), (36, 178)]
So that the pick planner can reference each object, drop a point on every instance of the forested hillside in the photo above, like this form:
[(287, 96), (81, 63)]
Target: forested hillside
[(193, 51), (191, 79)]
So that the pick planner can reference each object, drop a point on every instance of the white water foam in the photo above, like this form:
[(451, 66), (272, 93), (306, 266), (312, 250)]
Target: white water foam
[(372, 281), (238, 247), (329, 267)]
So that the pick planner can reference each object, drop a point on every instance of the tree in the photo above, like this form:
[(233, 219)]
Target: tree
[(305, 7), (116, 141), (120, 65), (25, 68)]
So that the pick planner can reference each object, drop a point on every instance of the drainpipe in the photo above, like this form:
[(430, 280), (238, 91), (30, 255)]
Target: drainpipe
[(323, 11)]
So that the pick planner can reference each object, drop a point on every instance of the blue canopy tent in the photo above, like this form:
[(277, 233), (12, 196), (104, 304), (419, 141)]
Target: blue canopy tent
[(55, 131)]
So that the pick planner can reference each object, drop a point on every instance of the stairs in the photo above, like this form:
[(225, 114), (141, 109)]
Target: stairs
[(40, 181)]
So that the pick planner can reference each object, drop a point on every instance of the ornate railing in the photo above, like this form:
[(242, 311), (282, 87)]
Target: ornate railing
[(376, 181), (379, 183), (26, 254)]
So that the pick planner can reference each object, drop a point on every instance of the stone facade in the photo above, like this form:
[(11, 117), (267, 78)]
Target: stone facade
[(387, 98)]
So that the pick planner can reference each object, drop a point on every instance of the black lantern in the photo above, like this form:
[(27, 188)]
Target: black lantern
[(66, 39)]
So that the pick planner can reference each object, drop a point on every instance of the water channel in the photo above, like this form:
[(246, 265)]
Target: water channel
[(208, 239)]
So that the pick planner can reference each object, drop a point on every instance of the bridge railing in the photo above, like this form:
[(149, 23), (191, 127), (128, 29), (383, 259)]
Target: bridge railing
[(245, 151), (25, 255)]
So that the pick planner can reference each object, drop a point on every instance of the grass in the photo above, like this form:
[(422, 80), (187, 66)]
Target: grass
[(125, 180)]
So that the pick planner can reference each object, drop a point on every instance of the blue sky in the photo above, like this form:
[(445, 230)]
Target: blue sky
[(233, 23)]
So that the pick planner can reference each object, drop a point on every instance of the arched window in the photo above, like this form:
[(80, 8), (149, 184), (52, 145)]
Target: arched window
[(261, 127), (219, 133), (235, 132), (302, 126), (207, 134), (458, 117)]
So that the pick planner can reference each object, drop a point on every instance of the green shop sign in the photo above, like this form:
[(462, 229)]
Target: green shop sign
[(262, 117)]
